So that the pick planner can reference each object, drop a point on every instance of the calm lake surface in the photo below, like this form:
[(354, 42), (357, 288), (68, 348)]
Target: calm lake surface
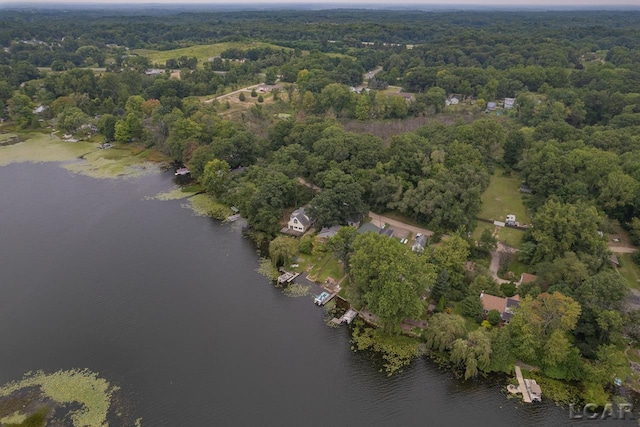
[(169, 307)]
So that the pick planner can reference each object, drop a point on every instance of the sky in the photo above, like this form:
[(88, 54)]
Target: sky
[(364, 3)]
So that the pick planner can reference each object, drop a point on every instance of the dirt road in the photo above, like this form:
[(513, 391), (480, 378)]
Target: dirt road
[(622, 249), (380, 221), (235, 92)]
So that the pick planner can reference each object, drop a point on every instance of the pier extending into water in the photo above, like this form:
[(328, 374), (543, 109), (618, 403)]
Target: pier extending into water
[(529, 389), (287, 277), (347, 317)]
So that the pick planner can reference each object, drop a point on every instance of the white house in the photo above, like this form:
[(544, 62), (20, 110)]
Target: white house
[(419, 244), (299, 221), (509, 103)]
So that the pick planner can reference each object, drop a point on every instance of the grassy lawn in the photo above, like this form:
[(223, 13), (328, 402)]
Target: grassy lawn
[(202, 52), (327, 267), (508, 236), (511, 236), (480, 228), (517, 268), (629, 270), (502, 198)]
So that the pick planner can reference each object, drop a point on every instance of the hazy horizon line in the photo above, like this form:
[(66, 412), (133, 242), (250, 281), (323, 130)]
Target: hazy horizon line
[(327, 4)]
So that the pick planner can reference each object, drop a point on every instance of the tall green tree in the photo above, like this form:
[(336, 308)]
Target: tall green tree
[(389, 279), (472, 353), (444, 330)]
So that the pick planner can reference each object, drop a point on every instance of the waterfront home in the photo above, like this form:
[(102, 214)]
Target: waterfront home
[(504, 306), (299, 222)]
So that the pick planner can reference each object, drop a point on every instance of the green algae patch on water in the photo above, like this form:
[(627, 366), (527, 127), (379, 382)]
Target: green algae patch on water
[(66, 389), (296, 290), (15, 418), (175, 193), (113, 163), (267, 269), (86, 158), (39, 148), (205, 205)]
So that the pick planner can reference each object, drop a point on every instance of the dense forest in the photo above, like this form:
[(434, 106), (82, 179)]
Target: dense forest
[(404, 112)]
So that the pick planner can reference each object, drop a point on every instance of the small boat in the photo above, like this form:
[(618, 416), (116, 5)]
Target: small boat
[(320, 299), (182, 171)]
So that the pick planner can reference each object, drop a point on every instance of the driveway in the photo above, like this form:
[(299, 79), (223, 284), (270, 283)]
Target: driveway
[(495, 261)]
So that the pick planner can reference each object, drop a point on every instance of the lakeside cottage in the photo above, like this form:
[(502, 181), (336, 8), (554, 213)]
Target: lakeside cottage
[(299, 222)]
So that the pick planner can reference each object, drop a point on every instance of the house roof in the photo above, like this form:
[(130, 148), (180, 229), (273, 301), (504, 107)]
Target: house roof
[(504, 306), (513, 302), (327, 232), (420, 242), (527, 278), (368, 227), (492, 302), (387, 232), (301, 216)]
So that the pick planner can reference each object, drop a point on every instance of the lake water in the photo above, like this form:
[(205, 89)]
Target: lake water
[(169, 306)]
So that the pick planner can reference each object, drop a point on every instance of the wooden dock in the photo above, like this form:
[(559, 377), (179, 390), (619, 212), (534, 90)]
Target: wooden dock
[(346, 317), (287, 277), (521, 388)]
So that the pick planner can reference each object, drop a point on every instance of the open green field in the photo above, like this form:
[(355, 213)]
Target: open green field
[(502, 198), (202, 52)]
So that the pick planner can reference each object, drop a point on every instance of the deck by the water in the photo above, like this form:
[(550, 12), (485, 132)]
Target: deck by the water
[(346, 317), (287, 277), (529, 389), (234, 217)]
